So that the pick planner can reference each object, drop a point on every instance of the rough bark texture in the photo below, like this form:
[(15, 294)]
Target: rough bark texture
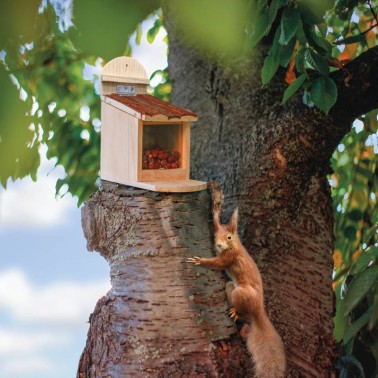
[(271, 161), (162, 317)]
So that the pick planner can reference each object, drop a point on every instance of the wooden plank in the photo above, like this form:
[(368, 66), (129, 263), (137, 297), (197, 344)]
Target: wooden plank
[(164, 174), (186, 147), (124, 70), (174, 186), (164, 118), (140, 149), (119, 145), (121, 79), (120, 106)]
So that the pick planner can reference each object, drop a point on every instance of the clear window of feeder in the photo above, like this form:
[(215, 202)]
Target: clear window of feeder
[(162, 146)]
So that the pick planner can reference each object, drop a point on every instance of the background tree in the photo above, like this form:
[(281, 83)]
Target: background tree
[(272, 159)]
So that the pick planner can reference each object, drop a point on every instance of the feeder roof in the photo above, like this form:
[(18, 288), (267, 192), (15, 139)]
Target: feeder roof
[(149, 108)]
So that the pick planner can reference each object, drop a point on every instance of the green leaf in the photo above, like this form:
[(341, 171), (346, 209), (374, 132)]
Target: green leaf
[(138, 34), (286, 52), (289, 24), (293, 87), (359, 287), (351, 39), (261, 24), (352, 330), (320, 44), (317, 61), (261, 4), (324, 93), (374, 311), (300, 60), (356, 215), (271, 62), (363, 261), (350, 233), (273, 11), (154, 30)]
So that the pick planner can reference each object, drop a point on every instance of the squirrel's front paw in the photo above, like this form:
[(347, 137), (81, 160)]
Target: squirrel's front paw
[(233, 314), (194, 260)]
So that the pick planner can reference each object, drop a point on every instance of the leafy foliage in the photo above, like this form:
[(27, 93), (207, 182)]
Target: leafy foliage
[(355, 194), (302, 35), (59, 108)]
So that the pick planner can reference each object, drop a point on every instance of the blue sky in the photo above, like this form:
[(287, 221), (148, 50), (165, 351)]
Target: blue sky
[(49, 282)]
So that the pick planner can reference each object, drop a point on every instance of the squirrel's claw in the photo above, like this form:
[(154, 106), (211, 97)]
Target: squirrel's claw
[(194, 260), (233, 314)]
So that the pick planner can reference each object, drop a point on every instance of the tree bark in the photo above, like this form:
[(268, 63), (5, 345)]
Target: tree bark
[(162, 317), (272, 162)]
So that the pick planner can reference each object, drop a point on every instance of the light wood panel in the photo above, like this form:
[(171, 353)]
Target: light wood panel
[(123, 70), (119, 145)]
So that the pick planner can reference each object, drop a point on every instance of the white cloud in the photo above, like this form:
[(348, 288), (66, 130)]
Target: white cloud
[(33, 204), (29, 365), (62, 304), (15, 342)]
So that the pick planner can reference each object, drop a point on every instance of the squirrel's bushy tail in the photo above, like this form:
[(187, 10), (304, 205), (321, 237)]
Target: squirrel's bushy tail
[(267, 350)]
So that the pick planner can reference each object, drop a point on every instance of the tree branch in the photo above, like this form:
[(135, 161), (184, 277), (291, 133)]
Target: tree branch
[(359, 95)]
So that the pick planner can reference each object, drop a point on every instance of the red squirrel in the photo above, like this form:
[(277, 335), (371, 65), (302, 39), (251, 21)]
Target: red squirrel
[(245, 294)]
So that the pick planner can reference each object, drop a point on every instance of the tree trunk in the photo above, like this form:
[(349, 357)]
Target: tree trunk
[(162, 317), (271, 161)]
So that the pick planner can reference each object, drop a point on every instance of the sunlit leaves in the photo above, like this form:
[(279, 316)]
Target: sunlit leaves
[(153, 32), (164, 88)]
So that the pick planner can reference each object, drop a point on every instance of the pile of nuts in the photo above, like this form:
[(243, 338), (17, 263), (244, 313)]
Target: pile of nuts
[(159, 158)]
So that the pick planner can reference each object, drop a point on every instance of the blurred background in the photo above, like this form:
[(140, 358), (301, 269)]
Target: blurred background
[(43, 257)]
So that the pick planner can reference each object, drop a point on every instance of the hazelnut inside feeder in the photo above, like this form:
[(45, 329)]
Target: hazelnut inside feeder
[(145, 142)]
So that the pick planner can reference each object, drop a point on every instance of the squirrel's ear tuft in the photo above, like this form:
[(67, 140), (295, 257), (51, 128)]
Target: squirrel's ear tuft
[(233, 224), (216, 220)]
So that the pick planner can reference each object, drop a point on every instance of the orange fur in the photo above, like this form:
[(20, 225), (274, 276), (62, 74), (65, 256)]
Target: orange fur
[(246, 296)]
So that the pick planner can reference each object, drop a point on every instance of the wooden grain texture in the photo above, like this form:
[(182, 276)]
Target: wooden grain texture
[(124, 70), (162, 317), (119, 145)]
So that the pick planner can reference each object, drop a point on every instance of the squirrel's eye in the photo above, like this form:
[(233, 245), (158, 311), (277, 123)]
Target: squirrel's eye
[(229, 237)]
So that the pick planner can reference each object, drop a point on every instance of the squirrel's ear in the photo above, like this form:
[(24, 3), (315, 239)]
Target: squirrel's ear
[(216, 220), (233, 225)]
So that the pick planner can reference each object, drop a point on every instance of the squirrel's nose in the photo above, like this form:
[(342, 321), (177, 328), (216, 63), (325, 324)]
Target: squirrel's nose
[(219, 245)]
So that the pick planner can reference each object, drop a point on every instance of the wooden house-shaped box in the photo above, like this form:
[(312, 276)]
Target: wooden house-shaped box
[(145, 142)]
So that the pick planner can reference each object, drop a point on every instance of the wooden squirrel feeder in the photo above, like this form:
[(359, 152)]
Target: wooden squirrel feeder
[(145, 142)]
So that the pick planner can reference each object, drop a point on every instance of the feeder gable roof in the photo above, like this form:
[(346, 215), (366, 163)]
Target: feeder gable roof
[(149, 108)]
